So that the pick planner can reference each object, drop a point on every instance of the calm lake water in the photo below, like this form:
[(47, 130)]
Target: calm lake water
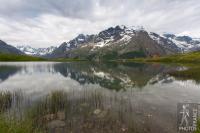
[(97, 97)]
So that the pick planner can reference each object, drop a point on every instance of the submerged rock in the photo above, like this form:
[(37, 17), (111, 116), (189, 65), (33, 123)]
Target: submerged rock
[(49, 117), (61, 115), (100, 113), (97, 111)]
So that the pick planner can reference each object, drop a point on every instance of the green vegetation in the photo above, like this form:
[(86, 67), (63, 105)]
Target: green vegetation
[(58, 111), (189, 60), (193, 57), (114, 55), (134, 54), (198, 127), (13, 57), (110, 56), (16, 126), (138, 56), (13, 124), (5, 100), (66, 60)]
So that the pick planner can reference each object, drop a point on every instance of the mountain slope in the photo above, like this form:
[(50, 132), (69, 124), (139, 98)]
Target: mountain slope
[(35, 51), (123, 42), (192, 57), (19, 57), (8, 49), (138, 45), (185, 43)]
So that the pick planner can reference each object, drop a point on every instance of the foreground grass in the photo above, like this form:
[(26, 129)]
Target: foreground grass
[(16, 126), (57, 111), (13, 125)]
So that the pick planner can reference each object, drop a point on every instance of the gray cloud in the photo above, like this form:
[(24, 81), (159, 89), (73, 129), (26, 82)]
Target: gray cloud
[(41, 23), (33, 8)]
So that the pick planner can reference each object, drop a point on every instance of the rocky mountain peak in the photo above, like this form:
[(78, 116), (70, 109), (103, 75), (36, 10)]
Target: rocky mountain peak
[(122, 38), (35, 51)]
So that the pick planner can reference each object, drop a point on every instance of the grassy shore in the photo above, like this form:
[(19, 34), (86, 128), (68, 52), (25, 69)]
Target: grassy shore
[(193, 57), (189, 60), (198, 127), (14, 57), (66, 60)]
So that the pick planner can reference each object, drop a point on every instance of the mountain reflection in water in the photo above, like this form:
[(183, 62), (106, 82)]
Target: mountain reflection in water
[(114, 76)]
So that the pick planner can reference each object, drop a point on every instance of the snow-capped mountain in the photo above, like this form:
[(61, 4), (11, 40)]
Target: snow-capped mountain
[(125, 42), (35, 51), (185, 43), (104, 38)]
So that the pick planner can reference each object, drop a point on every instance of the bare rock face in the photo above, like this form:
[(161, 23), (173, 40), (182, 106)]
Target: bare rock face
[(8, 49)]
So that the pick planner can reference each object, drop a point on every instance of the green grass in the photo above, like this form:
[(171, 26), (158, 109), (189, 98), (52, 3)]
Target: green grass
[(133, 54), (193, 57), (66, 60), (198, 127), (86, 114), (15, 126), (5, 101), (13, 57), (189, 60)]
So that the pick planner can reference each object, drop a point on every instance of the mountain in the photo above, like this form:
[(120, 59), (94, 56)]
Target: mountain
[(114, 42), (124, 42), (35, 51), (8, 49), (186, 43)]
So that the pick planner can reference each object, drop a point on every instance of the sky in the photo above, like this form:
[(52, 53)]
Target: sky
[(44, 23)]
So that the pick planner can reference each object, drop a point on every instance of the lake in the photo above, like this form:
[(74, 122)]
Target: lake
[(94, 97)]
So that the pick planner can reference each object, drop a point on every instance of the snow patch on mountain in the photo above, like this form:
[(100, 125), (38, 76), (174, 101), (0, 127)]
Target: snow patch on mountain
[(184, 43), (104, 38), (35, 51), (122, 36)]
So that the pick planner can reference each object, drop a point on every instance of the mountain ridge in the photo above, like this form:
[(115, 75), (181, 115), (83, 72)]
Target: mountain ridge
[(8, 49), (86, 46), (113, 43), (35, 51)]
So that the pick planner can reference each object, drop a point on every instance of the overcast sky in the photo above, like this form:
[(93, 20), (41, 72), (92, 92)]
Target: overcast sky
[(42, 23)]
